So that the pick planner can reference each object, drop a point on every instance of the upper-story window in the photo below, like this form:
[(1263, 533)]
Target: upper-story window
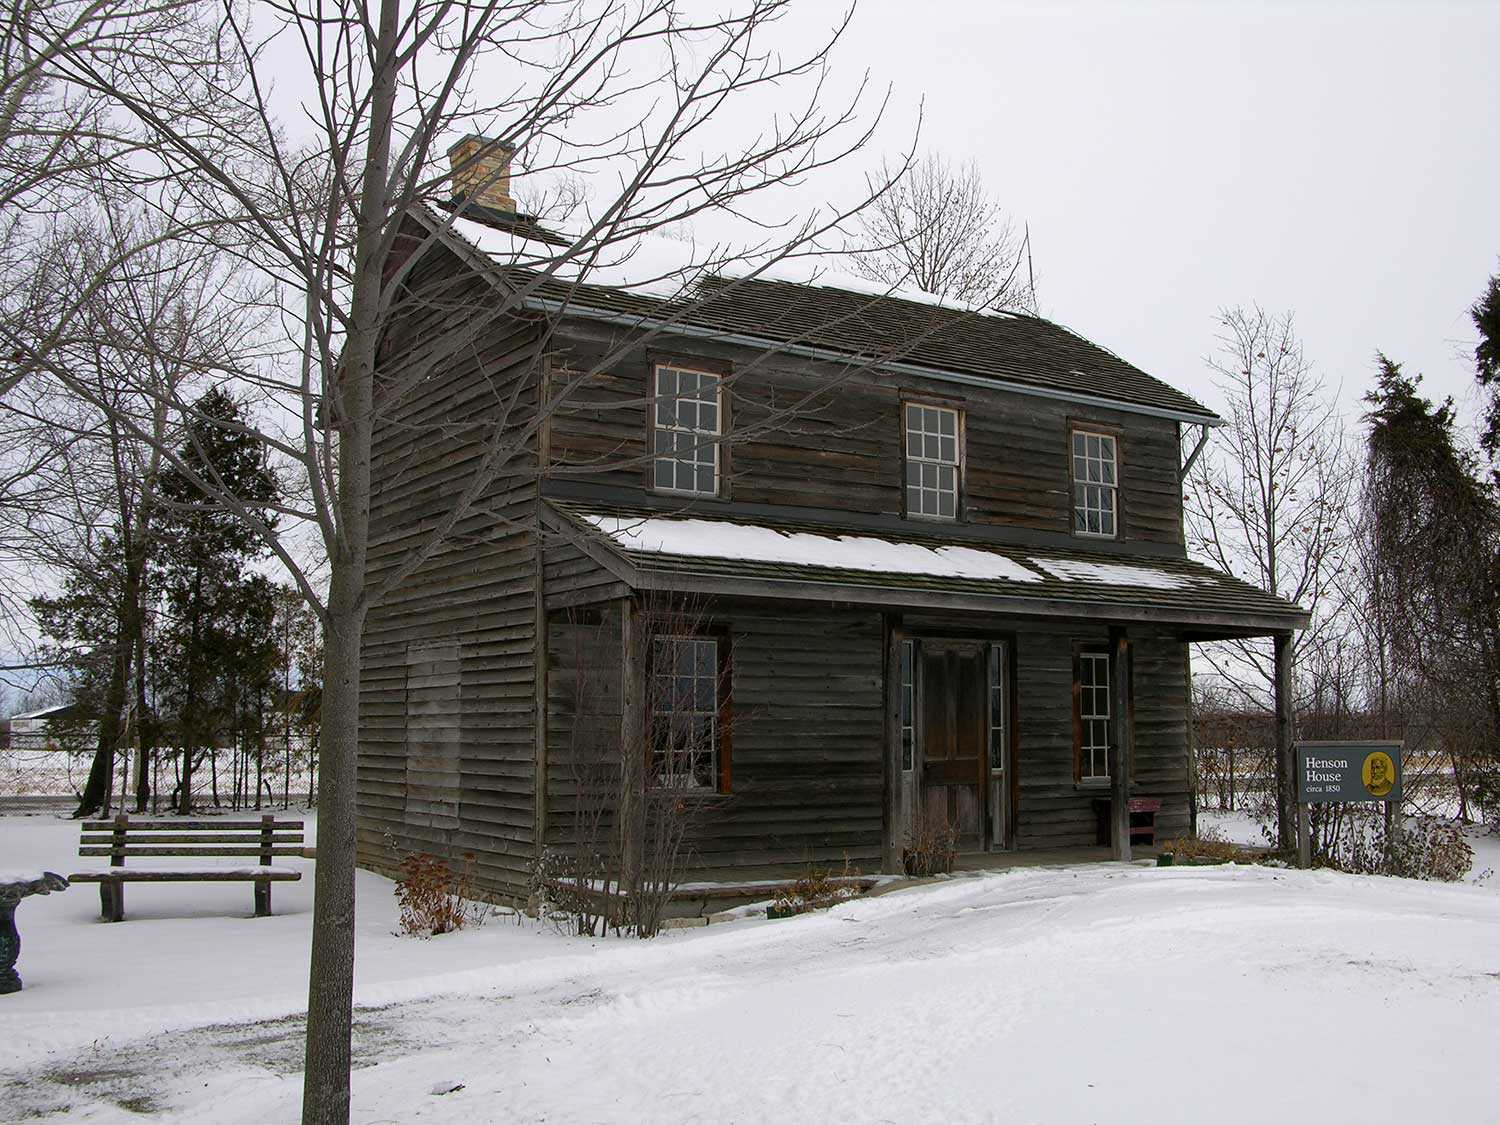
[(1094, 484), (689, 417), (932, 461)]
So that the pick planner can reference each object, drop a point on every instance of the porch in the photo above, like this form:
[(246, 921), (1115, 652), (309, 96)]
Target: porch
[(851, 710)]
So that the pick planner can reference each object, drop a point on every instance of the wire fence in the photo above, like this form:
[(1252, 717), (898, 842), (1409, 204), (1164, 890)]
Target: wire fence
[(1243, 778), (280, 773)]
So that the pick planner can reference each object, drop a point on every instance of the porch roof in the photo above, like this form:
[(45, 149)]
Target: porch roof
[(709, 554)]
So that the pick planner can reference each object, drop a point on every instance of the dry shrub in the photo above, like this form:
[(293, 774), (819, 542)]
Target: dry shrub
[(1209, 847), (433, 898), (817, 890), (1415, 848), (931, 847)]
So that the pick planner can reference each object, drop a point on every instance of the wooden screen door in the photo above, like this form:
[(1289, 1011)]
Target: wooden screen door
[(954, 730)]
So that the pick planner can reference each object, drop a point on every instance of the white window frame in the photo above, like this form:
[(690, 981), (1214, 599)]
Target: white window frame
[(704, 440), (663, 709), (931, 455), (1089, 482), (1093, 756), (908, 706), (998, 730)]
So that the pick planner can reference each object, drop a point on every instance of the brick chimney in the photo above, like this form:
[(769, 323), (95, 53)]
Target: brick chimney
[(481, 172)]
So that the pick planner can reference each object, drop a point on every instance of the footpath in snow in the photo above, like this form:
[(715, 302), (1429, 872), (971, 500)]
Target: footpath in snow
[(1083, 994)]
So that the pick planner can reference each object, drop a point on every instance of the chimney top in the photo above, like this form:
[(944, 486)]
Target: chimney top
[(480, 169)]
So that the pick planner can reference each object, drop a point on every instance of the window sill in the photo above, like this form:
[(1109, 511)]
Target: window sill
[(686, 495), (694, 794)]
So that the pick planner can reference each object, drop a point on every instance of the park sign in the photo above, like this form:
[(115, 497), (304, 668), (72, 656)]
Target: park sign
[(1348, 771)]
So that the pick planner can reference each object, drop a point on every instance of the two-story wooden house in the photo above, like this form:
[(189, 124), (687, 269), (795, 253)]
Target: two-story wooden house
[(934, 559)]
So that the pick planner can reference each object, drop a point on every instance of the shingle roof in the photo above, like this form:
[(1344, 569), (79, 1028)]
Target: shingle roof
[(668, 547), (1005, 347)]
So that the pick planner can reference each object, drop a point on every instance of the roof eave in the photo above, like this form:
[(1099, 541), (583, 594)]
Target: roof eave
[(809, 351)]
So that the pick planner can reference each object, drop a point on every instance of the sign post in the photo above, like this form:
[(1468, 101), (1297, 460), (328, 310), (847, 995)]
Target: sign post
[(1343, 771)]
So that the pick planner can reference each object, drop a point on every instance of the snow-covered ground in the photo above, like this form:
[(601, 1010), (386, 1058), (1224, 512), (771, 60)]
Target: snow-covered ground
[(1083, 994)]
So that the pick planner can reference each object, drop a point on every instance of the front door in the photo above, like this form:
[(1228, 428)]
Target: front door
[(954, 728)]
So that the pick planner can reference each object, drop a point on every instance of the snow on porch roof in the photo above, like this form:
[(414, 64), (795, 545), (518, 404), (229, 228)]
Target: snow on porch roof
[(696, 550)]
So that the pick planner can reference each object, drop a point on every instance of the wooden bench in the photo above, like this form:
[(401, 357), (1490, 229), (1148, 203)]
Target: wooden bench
[(1143, 812), (123, 838)]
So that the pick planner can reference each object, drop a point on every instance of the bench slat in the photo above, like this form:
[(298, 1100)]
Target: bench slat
[(189, 825), (100, 838), (228, 875), (130, 850)]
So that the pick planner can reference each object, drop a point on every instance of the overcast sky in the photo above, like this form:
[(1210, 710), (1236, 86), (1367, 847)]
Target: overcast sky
[(1341, 161)]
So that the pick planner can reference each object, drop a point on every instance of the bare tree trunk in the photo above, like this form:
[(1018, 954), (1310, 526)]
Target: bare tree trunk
[(145, 753), (325, 1080), (325, 1096), (96, 790)]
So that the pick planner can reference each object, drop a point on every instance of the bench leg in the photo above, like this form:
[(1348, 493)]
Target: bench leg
[(112, 901), (262, 898)]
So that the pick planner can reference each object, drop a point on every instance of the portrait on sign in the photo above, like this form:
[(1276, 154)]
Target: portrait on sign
[(1379, 773)]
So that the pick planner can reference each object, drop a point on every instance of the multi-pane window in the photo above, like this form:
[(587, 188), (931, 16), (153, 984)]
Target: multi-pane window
[(931, 461), (1094, 483), (997, 708), (908, 704), (686, 439), (685, 712), (1093, 716)]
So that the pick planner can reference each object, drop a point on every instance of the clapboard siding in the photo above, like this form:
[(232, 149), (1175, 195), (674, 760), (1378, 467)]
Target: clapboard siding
[(807, 734), (1054, 810), (811, 434), (572, 578), (448, 722)]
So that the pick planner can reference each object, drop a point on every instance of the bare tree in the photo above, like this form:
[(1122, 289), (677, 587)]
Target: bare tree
[(1271, 503), (939, 231), (320, 198)]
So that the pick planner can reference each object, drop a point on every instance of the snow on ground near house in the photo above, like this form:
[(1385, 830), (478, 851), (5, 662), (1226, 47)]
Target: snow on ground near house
[(1231, 824), (1082, 994)]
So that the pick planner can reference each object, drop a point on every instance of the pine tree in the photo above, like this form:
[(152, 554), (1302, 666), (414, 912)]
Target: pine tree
[(201, 559), (1486, 317), (1435, 526)]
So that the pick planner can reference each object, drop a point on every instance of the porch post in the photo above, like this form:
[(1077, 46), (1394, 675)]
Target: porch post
[(1119, 773), (1285, 767), (893, 821), (632, 743)]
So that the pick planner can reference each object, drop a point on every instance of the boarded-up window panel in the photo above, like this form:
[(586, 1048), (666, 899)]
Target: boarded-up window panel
[(432, 738)]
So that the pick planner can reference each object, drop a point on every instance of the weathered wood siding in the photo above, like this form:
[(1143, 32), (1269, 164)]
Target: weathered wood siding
[(447, 709), (1054, 810), (583, 723), (571, 577), (808, 434), (807, 737)]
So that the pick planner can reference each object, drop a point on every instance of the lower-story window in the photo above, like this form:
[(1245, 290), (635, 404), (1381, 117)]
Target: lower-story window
[(687, 719), (997, 719), (1092, 693), (908, 704)]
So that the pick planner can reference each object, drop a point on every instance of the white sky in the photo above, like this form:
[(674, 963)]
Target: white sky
[(1341, 161)]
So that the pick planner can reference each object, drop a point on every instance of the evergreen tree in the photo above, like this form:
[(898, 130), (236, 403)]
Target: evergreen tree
[(1486, 317), (201, 559), (91, 633), (1435, 527)]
